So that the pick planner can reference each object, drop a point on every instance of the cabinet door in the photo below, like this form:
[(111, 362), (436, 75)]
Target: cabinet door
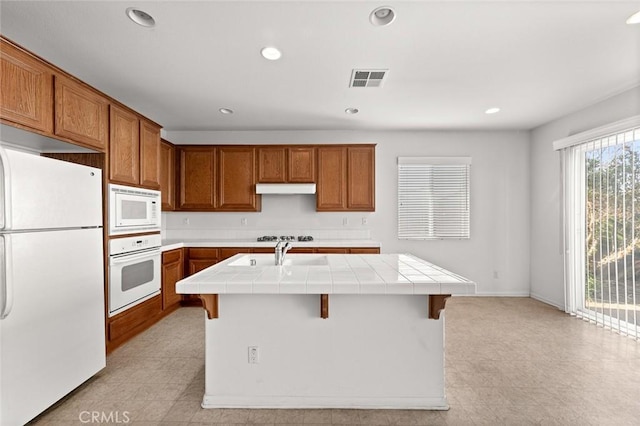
[(272, 165), (149, 154), (332, 250), (237, 179), (226, 253), (361, 178), (124, 147), (196, 178), (364, 250), (167, 175), (302, 165), (172, 272), (81, 114), (202, 258), (332, 179), (26, 97)]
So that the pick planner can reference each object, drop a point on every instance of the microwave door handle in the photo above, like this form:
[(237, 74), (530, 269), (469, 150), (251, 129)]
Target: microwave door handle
[(131, 258), (6, 276)]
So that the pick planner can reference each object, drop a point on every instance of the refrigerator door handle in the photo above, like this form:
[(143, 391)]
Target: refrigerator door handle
[(6, 289), (5, 191)]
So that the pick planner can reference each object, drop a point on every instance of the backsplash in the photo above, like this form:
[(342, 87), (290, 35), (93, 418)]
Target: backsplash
[(280, 215)]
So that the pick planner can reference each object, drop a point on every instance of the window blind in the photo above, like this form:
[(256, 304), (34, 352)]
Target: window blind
[(433, 198), (601, 196)]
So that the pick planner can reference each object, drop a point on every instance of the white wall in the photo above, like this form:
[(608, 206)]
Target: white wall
[(546, 243), (496, 256)]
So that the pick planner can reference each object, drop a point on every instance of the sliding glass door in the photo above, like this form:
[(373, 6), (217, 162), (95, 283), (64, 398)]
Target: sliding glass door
[(609, 188)]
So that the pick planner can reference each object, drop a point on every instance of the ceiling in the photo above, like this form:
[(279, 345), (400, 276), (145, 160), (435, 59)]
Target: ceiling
[(448, 61)]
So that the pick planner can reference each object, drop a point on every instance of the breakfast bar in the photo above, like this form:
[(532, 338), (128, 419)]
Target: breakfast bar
[(325, 331)]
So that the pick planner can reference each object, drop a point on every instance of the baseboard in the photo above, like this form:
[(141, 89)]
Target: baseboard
[(300, 402), (547, 301), (496, 294)]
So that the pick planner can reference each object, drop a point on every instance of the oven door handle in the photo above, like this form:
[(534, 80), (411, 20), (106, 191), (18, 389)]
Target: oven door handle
[(128, 258)]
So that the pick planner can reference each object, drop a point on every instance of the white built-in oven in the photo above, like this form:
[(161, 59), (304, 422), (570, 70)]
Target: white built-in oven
[(133, 210), (134, 271)]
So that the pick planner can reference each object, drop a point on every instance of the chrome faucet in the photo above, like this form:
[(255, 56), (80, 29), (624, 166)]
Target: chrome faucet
[(281, 251)]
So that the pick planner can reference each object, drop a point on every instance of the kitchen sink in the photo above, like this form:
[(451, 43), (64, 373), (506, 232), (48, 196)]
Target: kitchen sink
[(290, 260)]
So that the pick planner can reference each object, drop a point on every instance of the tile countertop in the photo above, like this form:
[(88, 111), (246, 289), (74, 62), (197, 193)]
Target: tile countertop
[(176, 244), (340, 274)]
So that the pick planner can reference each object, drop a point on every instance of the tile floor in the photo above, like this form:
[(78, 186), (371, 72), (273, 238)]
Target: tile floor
[(509, 361)]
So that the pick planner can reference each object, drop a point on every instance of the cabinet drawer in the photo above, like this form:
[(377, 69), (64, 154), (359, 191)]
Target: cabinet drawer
[(203, 253), (129, 320), (171, 256)]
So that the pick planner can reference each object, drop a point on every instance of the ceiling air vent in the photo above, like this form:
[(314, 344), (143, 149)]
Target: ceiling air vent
[(367, 78)]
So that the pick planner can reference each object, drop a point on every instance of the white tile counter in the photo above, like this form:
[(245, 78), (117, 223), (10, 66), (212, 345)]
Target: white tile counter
[(326, 274), (171, 244)]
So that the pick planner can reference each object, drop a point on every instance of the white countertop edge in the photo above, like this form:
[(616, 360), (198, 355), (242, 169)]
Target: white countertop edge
[(168, 245), (197, 284)]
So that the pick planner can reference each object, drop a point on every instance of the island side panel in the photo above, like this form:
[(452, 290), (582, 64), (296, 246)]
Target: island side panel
[(374, 351)]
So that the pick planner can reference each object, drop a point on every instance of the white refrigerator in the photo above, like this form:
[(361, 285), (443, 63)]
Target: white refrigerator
[(51, 281)]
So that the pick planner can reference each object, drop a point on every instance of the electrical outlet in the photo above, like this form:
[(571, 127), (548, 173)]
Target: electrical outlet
[(345, 221), (496, 275), (243, 221), (186, 221), (365, 221), (254, 355)]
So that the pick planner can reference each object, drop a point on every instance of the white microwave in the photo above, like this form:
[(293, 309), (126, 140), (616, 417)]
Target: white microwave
[(133, 210)]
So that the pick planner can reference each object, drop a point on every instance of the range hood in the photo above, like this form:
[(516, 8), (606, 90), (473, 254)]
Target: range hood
[(285, 188)]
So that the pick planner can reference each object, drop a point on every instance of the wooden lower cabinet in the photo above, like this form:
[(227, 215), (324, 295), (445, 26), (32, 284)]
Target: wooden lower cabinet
[(364, 250), (226, 253), (172, 272), (127, 324), (201, 258), (332, 250)]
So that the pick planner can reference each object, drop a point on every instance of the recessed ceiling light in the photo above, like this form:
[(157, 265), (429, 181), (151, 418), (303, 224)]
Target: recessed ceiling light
[(271, 53), (382, 16), (140, 17), (492, 110), (351, 110), (226, 111), (634, 19)]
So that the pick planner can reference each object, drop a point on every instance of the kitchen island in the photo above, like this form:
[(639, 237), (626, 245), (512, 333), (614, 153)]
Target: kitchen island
[(325, 331)]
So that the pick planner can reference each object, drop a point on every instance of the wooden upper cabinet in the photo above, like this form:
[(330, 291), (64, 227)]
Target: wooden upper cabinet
[(124, 147), (302, 165), (332, 179), (282, 164), (361, 178), (149, 154), (237, 179), (346, 178), (26, 97), (81, 114), (196, 178), (272, 165), (167, 175)]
